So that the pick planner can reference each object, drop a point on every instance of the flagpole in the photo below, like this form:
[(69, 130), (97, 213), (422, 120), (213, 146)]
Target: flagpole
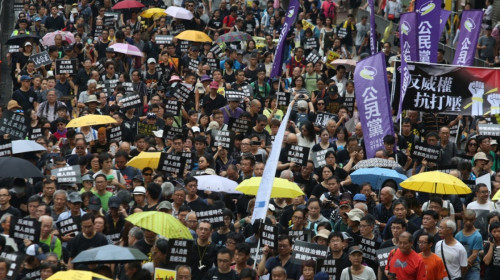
[(257, 251)]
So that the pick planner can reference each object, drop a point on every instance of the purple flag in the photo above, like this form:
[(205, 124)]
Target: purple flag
[(470, 27), (428, 15), (373, 30), (445, 14), (372, 94), (408, 36), (291, 15)]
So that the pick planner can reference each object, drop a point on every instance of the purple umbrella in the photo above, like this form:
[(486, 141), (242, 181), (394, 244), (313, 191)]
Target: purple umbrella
[(126, 49)]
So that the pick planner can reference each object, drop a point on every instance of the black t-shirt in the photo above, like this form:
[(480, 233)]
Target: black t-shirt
[(143, 246), (81, 243), (100, 47), (26, 99), (197, 205), (494, 267), (208, 257), (343, 262), (214, 274), (210, 104)]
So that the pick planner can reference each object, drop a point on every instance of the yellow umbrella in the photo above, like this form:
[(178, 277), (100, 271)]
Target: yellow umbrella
[(436, 182), (193, 36), (76, 275), (153, 12), (161, 223), (281, 188), (496, 196), (90, 120), (145, 159)]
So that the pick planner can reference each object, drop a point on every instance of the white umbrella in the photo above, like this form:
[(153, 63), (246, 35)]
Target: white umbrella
[(25, 146), (178, 12), (216, 183)]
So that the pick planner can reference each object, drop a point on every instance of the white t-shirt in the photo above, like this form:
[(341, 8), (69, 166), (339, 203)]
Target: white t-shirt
[(455, 256), (367, 274), (490, 206)]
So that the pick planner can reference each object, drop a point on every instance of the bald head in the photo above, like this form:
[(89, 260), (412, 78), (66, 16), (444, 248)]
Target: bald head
[(292, 139)]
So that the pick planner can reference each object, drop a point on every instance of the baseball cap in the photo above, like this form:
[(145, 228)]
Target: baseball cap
[(355, 249), (75, 197), (13, 105), (28, 44), (139, 190), (214, 85), (114, 202), (138, 178), (164, 205), (344, 203), (94, 203), (36, 250), (87, 177), (151, 116), (151, 60), (205, 78), (25, 78), (359, 197), (271, 208)]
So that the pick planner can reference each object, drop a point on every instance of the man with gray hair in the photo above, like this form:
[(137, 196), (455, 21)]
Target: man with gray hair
[(48, 109), (383, 210), (59, 206), (84, 95), (135, 234), (451, 251), (46, 236)]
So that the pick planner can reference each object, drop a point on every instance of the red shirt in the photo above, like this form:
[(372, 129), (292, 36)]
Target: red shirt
[(229, 21), (407, 267)]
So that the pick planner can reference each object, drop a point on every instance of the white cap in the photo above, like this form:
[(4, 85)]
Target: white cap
[(139, 190), (272, 208), (151, 60)]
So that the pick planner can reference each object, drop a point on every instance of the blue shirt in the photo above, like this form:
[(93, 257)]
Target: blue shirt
[(292, 270), (471, 242)]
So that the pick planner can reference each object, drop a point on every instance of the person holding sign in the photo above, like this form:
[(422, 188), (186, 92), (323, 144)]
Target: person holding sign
[(282, 259)]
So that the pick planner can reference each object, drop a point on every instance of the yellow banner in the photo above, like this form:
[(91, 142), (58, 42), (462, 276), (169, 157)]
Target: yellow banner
[(164, 274)]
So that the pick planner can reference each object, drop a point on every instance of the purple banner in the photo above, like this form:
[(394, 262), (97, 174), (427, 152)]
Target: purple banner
[(470, 27), (408, 36), (428, 15), (445, 14), (373, 30), (372, 94), (291, 15), (405, 82)]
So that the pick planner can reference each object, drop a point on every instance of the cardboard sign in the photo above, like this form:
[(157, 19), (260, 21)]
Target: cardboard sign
[(172, 163), (5, 148), (217, 51), (253, 252), (297, 154), (14, 124), (66, 66), (179, 252), (115, 134), (181, 92), (13, 49), (323, 118), (164, 39), (300, 235), (146, 129), (68, 226), (21, 229), (34, 133), (214, 63), (68, 174), (283, 98), (16, 261), (173, 107), (41, 59), (369, 248), (193, 64), (302, 251), (269, 236), (224, 138), (383, 255), (330, 266), (422, 150), (169, 132), (319, 157), (239, 125), (313, 57), (213, 216), (164, 274), (489, 129), (235, 95), (131, 101)]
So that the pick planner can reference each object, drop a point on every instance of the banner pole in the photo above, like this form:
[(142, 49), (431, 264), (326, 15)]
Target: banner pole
[(256, 253)]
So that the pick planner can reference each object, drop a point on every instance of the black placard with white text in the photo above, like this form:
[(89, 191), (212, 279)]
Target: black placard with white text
[(68, 174), (269, 236), (16, 261), (14, 124), (5, 148), (172, 163), (130, 102), (313, 57), (216, 50), (323, 118), (214, 63), (213, 216), (300, 235), (297, 154), (169, 132), (35, 132), (489, 129), (239, 125), (173, 107), (68, 226), (283, 98), (181, 92), (224, 138), (115, 134), (302, 251), (318, 157), (193, 64), (330, 266), (179, 252), (21, 229), (429, 152), (41, 59), (66, 66), (383, 255)]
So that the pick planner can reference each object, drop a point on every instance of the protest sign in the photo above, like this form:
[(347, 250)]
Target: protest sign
[(422, 151), (16, 261), (254, 253), (318, 157), (184, 45), (216, 50), (68, 226), (41, 59), (172, 163), (224, 138), (313, 57), (349, 103), (235, 95), (330, 266), (369, 248), (68, 174), (297, 154), (214, 216), (189, 158), (383, 255), (181, 92), (115, 134), (322, 119), (179, 252), (100, 68), (193, 64), (269, 236), (481, 222), (489, 129), (164, 274), (14, 124), (13, 49), (214, 63), (164, 39), (21, 229), (239, 125), (146, 129), (130, 102), (169, 132), (34, 133), (173, 107), (114, 15), (300, 235), (302, 251), (283, 98), (5, 148), (66, 66)]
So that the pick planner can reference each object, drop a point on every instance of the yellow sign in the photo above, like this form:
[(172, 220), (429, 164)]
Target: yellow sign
[(332, 55), (164, 274), (307, 24)]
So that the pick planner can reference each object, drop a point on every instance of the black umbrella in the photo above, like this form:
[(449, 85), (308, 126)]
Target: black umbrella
[(18, 168), (19, 40)]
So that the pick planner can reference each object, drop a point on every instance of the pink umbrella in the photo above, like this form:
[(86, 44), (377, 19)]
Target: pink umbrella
[(127, 4), (126, 49), (48, 39)]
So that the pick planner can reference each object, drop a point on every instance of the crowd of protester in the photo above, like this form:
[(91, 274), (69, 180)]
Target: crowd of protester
[(435, 235)]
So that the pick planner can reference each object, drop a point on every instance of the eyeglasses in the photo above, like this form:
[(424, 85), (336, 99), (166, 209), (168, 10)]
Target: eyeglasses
[(297, 218), (421, 242), (472, 144), (147, 174)]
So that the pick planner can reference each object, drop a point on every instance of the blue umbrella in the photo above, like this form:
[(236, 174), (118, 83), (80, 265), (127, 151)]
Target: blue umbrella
[(376, 176)]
